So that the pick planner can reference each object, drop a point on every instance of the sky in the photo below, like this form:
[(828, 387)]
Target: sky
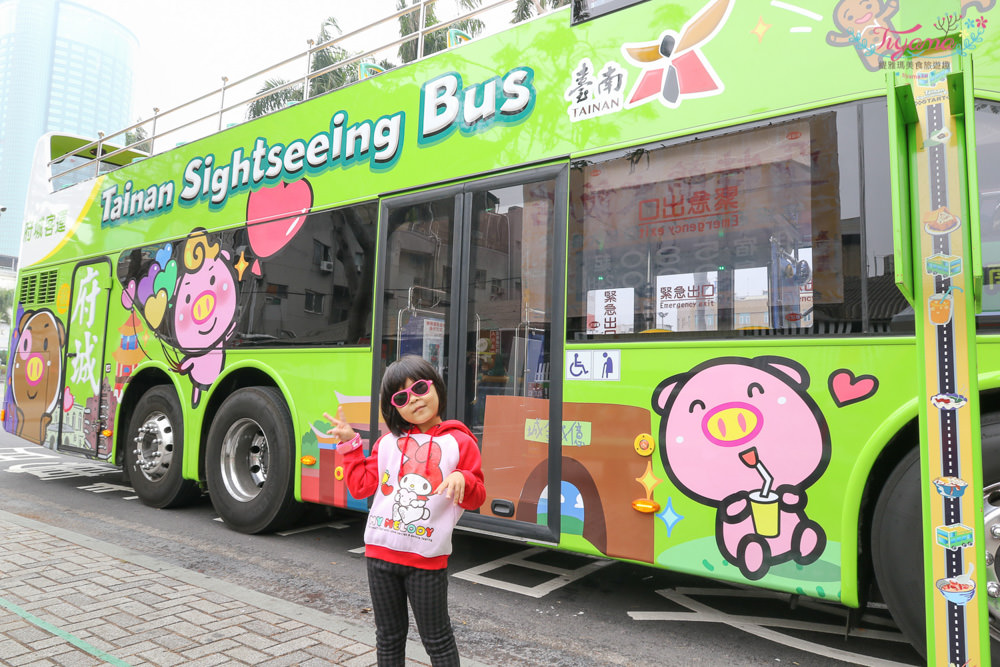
[(186, 46)]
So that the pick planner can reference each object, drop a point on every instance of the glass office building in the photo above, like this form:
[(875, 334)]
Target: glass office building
[(63, 68)]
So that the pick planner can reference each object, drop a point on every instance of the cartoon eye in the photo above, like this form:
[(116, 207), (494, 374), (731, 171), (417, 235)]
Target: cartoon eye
[(187, 298), (211, 280), (752, 386), (45, 344), (694, 403)]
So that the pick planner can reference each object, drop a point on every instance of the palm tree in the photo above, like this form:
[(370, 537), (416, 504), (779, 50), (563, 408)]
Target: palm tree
[(525, 9), (437, 40), (285, 94), (138, 140), (6, 305)]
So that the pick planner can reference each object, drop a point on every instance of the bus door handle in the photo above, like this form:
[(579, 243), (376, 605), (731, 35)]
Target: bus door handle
[(475, 356)]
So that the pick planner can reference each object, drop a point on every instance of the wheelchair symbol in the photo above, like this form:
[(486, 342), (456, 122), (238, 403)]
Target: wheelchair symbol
[(577, 369)]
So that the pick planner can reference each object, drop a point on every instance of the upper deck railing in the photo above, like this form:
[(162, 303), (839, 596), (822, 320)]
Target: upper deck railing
[(290, 82)]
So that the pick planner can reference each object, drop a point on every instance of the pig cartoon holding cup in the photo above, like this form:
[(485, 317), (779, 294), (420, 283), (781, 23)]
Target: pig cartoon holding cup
[(743, 436)]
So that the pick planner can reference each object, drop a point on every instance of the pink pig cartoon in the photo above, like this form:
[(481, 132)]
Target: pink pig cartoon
[(743, 436), (204, 311)]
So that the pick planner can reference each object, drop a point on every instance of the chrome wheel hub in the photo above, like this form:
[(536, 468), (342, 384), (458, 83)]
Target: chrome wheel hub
[(154, 446), (991, 513), (244, 460)]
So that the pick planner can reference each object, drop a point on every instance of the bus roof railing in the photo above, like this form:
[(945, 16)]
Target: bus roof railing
[(135, 140)]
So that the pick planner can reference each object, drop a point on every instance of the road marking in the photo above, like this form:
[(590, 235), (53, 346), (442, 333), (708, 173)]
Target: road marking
[(24, 454), (755, 625), (562, 576), (337, 525), (72, 639), (64, 470)]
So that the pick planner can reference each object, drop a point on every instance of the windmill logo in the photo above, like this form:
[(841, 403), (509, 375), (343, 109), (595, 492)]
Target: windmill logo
[(673, 67)]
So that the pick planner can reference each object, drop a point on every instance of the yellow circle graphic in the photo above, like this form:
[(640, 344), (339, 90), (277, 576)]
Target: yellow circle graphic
[(62, 299), (644, 445)]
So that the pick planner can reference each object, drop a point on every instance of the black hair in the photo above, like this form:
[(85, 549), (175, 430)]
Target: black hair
[(410, 367)]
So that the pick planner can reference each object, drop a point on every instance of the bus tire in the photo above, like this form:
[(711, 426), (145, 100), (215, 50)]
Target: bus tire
[(897, 547), (154, 451), (249, 465)]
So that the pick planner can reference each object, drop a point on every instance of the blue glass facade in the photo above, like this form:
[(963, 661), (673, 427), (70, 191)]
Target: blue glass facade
[(63, 68)]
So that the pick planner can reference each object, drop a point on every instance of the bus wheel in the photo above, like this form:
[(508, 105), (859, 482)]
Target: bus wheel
[(249, 465), (154, 451), (897, 547)]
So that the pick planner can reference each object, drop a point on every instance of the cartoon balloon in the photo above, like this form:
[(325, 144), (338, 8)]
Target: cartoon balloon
[(146, 284), (274, 216)]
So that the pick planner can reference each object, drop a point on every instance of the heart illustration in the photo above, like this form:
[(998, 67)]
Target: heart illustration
[(847, 389), (128, 295), (155, 308), (146, 287), (166, 279), (163, 255), (274, 216)]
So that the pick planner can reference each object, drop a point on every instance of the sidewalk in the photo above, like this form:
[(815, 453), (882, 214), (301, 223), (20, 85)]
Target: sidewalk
[(63, 602)]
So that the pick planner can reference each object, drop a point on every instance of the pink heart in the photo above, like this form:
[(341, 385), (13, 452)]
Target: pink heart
[(847, 389), (128, 295), (275, 214)]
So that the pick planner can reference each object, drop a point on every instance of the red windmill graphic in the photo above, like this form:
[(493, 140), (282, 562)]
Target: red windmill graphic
[(673, 66)]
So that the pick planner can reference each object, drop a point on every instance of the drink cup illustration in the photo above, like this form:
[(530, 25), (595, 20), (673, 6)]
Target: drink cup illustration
[(939, 308), (764, 509), (763, 503)]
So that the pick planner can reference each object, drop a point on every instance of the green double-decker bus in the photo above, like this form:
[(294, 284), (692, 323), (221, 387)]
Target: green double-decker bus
[(700, 276)]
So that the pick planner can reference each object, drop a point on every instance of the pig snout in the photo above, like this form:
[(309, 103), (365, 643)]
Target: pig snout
[(732, 424)]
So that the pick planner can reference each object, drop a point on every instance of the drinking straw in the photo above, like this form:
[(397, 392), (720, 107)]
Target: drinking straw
[(750, 460)]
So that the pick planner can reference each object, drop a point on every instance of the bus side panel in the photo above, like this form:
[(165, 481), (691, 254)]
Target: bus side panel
[(748, 450)]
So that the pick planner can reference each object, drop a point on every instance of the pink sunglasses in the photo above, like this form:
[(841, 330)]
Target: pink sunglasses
[(419, 388)]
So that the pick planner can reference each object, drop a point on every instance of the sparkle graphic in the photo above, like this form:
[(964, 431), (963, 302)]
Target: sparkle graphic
[(669, 517), (241, 265), (648, 479), (760, 29)]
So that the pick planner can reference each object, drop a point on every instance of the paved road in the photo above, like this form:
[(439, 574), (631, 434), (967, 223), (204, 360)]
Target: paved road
[(511, 603)]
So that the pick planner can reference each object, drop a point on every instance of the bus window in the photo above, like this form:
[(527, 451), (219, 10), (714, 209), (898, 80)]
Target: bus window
[(762, 231), (323, 294), (987, 155), (584, 10), (70, 171), (418, 283)]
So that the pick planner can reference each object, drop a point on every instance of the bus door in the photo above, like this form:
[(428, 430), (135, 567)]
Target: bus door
[(86, 396), (473, 282)]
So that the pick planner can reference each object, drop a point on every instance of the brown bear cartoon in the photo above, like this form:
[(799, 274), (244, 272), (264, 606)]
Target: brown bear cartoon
[(36, 373)]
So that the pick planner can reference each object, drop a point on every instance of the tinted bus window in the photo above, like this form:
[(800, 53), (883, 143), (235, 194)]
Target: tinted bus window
[(316, 290), (987, 156), (775, 229)]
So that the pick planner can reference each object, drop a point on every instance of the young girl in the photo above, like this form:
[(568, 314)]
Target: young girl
[(424, 473)]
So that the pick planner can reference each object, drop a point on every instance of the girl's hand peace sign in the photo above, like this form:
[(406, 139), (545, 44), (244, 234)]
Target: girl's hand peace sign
[(341, 429)]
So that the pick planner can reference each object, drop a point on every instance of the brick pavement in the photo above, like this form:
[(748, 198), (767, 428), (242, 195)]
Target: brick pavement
[(68, 599)]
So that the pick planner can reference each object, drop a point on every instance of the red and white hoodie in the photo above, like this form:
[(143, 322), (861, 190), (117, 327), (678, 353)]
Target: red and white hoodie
[(407, 523)]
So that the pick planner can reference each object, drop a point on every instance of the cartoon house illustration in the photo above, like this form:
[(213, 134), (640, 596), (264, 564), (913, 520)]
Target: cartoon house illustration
[(93, 424), (128, 354), (601, 471)]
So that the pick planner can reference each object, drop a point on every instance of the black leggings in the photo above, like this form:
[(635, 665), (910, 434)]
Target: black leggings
[(391, 585)]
